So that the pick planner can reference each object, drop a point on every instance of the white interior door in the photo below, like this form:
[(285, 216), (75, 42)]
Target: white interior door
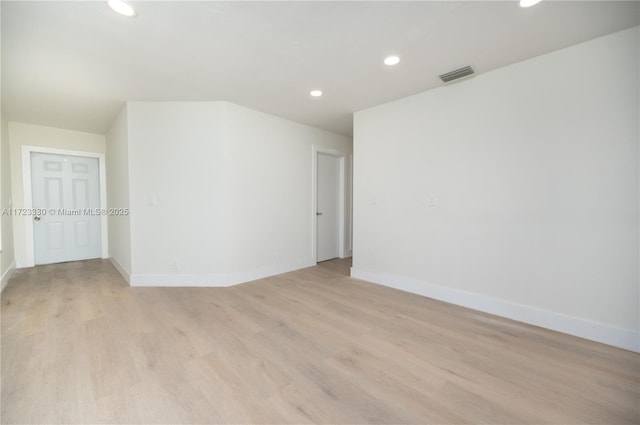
[(68, 189), (327, 207)]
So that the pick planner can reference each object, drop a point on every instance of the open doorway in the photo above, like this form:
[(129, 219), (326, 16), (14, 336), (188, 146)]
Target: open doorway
[(331, 205)]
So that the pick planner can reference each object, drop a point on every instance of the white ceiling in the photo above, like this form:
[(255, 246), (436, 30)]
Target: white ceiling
[(73, 64)]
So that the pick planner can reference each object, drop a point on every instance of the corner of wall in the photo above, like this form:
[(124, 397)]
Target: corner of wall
[(118, 176), (126, 275), (6, 276), (7, 254)]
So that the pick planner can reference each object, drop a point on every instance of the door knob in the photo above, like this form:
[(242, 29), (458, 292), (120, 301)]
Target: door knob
[(318, 213), (36, 218)]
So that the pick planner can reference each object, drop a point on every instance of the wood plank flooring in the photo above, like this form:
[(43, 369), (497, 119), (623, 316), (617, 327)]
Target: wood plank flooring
[(311, 346)]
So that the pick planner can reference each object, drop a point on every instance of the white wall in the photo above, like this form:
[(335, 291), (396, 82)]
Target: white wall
[(7, 257), (177, 190), (270, 180), (21, 134), (220, 194), (535, 170), (117, 161)]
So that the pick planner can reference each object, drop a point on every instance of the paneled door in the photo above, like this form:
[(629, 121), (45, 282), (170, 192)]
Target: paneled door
[(67, 191)]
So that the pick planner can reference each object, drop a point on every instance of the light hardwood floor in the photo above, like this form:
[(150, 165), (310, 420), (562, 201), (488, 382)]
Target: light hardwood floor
[(312, 346)]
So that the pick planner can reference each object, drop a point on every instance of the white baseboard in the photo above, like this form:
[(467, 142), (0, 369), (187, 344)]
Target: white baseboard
[(7, 275), (214, 279), (595, 331), (125, 274)]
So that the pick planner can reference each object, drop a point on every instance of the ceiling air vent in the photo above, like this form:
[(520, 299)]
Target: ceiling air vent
[(458, 73)]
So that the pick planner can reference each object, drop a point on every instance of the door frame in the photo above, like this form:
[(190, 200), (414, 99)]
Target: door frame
[(28, 196), (342, 240)]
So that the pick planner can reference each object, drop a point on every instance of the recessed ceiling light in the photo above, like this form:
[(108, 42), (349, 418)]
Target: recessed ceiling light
[(529, 3), (392, 60), (122, 7), (316, 93)]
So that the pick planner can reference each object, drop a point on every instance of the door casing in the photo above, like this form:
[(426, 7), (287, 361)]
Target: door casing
[(28, 198), (342, 240)]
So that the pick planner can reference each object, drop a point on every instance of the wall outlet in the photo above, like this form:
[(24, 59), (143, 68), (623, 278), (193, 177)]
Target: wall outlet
[(432, 200)]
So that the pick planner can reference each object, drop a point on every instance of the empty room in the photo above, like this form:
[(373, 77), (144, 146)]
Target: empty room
[(320, 212)]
